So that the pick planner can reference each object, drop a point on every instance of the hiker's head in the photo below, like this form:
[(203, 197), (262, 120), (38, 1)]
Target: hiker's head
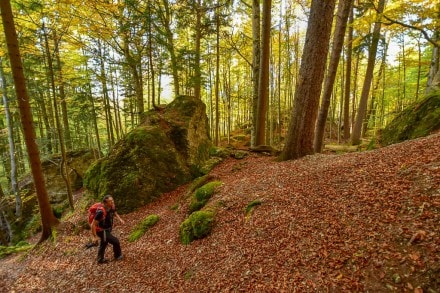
[(108, 201)]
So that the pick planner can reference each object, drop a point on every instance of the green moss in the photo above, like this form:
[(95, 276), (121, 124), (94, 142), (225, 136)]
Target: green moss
[(197, 226), (142, 227), (19, 247), (251, 206), (202, 195), (418, 120)]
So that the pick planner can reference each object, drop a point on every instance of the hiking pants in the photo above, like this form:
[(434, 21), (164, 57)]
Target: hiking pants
[(106, 238)]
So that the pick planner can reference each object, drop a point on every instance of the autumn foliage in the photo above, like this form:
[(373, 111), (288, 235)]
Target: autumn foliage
[(365, 221)]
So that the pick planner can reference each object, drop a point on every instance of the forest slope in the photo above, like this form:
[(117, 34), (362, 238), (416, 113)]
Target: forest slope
[(360, 222)]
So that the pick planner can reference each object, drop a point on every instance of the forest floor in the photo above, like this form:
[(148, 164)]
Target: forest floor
[(359, 222)]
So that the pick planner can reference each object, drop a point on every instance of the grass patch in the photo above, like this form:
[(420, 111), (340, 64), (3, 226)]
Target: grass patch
[(142, 227)]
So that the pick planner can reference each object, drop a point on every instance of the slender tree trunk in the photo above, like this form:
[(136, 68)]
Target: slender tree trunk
[(300, 136), (217, 80), (256, 44), (362, 109), (64, 168), (344, 7), (347, 91), (263, 84), (14, 184), (47, 218), (372, 107), (198, 38), (66, 128)]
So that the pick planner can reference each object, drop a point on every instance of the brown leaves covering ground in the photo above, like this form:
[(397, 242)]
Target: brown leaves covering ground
[(356, 222)]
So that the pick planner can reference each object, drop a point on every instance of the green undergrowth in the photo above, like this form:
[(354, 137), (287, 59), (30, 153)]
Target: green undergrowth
[(140, 229), (19, 247)]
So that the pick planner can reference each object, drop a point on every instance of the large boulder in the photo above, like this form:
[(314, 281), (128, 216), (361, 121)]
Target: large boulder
[(78, 162), (420, 119), (168, 149)]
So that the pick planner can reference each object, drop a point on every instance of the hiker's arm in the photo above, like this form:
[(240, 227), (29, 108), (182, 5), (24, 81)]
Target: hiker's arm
[(93, 228), (119, 218)]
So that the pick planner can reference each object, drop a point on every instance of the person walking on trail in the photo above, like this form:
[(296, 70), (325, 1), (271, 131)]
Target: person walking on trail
[(102, 227)]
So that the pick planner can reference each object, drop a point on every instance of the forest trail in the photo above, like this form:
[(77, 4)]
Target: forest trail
[(366, 221)]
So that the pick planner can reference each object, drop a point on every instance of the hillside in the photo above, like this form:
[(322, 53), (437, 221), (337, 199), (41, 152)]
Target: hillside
[(365, 221)]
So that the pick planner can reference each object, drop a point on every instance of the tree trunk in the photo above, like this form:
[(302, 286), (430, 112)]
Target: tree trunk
[(198, 38), (263, 84), (64, 168), (362, 109), (344, 7), (66, 128), (256, 44), (299, 141), (48, 220), (14, 185), (347, 91)]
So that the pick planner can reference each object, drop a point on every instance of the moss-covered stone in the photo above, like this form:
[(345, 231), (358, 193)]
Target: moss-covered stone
[(142, 227), (165, 151), (197, 226), (202, 195), (418, 120)]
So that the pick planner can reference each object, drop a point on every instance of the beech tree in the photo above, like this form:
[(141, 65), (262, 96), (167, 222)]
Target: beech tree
[(263, 83), (344, 7), (362, 109), (299, 140), (47, 217)]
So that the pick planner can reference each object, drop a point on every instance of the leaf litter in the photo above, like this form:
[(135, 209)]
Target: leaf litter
[(366, 221)]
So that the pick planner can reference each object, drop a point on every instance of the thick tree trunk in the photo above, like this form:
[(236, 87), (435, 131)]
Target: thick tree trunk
[(256, 44), (344, 7), (263, 84), (300, 135), (47, 218)]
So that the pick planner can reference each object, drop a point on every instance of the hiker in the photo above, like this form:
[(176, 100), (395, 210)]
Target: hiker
[(101, 227)]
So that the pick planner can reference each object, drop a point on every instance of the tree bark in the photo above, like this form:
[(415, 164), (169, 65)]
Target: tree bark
[(64, 168), (347, 91), (299, 141), (256, 45), (362, 109), (48, 220), (14, 184), (263, 84), (341, 24)]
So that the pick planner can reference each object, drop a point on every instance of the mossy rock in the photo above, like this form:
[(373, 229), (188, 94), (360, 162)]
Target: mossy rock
[(167, 150), (142, 227), (197, 226), (418, 120), (202, 195)]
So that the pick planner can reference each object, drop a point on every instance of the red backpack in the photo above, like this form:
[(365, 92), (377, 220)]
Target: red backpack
[(92, 213)]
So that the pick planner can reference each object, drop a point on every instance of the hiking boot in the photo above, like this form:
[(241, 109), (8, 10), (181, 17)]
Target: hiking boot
[(121, 257), (101, 261)]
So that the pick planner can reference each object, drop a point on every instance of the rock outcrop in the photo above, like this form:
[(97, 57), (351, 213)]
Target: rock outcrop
[(168, 149)]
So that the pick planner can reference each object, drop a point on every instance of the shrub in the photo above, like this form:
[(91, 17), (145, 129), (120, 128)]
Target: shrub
[(197, 226), (202, 195), (142, 227)]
